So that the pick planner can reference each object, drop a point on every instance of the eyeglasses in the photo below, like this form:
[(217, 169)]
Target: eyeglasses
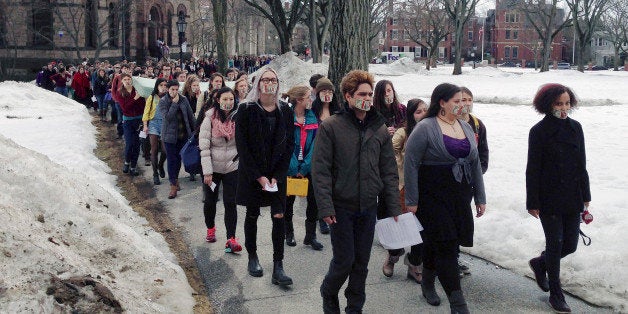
[(268, 80), (364, 94)]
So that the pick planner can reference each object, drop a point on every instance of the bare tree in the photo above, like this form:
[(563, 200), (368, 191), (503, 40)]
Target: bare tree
[(284, 22), (8, 40), (586, 15), (220, 23), (349, 38), (427, 24), (460, 11), (547, 21), (202, 32), (615, 29)]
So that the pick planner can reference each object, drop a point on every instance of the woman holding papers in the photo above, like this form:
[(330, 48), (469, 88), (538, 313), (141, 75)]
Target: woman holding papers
[(265, 141), (219, 159), (417, 110), (442, 174)]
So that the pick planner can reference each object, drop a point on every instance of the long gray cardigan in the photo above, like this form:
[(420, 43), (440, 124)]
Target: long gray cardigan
[(168, 110), (425, 146)]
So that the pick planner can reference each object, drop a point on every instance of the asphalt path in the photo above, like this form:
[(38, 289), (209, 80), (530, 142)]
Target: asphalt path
[(489, 288)]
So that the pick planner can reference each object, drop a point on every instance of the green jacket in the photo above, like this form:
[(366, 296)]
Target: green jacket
[(353, 162)]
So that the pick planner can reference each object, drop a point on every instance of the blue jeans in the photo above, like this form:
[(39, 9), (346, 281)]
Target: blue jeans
[(173, 158), (351, 241), (132, 141), (118, 111), (101, 102), (62, 90)]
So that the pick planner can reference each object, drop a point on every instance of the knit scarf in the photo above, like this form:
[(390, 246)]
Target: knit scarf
[(220, 129)]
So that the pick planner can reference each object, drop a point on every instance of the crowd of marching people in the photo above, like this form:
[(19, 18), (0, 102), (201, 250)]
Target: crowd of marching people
[(362, 153)]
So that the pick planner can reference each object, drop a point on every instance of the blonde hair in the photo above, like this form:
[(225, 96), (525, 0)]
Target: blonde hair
[(295, 93)]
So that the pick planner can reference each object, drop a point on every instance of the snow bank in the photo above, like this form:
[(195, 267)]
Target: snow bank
[(293, 71), (402, 66), (63, 216)]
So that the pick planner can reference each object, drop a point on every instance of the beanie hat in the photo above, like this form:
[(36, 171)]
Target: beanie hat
[(323, 84)]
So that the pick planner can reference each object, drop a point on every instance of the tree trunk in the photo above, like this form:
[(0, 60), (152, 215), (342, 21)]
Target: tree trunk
[(616, 58), (220, 23), (580, 53), (285, 40), (313, 33), (349, 38)]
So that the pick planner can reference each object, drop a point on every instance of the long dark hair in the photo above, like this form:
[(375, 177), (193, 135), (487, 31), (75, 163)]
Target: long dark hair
[(445, 92), (413, 105), (211, 103), (317, 106), (156, 89), (380, 94)]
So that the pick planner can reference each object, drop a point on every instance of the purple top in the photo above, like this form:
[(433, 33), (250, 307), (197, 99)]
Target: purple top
[(459, 148)]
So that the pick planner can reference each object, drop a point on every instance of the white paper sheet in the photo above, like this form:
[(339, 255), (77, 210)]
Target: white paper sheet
[(271, 188), (394, 235), (143, 134)]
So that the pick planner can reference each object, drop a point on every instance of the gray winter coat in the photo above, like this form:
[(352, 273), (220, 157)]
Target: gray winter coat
[(168, 110)]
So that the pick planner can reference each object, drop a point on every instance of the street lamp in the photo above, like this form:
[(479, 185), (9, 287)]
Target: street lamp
[(181, 26)]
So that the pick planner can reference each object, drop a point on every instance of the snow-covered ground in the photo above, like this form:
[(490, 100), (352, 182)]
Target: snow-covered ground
[(52, 171), (507, 235), (63, 216)]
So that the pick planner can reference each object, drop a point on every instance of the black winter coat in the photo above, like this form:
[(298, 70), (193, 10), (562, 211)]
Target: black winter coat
[(557, 181), (353, 162), (258, 159)]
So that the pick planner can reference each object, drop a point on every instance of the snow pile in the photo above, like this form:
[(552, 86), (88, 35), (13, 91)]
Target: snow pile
[(292, 71), (402, 66), (62, 215)]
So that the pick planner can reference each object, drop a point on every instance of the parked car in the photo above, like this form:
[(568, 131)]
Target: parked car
[(598, 68), (530, 64), (563, 66)]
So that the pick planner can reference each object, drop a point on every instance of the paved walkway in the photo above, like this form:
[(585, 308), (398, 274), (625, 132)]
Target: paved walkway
[(489, 289)]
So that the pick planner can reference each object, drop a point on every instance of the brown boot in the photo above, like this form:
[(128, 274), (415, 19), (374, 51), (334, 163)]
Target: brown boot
[(173, 192), (389, 264), (178, 186)]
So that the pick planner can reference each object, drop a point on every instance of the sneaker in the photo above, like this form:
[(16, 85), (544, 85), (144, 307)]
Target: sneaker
[(463, 270), (211, 235), (125, 168), (232, 246), (156, 180), (134, 172)]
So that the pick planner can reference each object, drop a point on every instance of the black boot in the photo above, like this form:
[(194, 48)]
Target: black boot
[(279, 276), (537, 265), (323, 226), (255, 269), (162, 161), (310, 236), (457, 303), (427, 287), (557, 299), (290, 233), (153, 163)]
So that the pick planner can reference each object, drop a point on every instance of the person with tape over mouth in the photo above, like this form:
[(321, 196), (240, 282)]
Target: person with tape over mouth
[(265, 141), (353, 162)]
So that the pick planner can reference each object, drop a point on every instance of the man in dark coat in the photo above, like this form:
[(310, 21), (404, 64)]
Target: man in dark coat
[(353, 163)]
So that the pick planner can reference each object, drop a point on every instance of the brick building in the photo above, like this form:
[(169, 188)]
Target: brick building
[(38, 31), (511, 37)]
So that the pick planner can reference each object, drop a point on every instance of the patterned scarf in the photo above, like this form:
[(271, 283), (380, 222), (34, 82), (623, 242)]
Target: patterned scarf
[(222, 129)]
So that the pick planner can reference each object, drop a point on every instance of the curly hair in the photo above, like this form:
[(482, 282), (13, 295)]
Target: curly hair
[(187, 89), (353, 79), (547, 95)]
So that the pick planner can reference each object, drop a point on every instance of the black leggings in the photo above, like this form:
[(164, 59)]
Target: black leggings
[(311, 211), (250, 233), (442, 256), (230, 181), (561, 239)]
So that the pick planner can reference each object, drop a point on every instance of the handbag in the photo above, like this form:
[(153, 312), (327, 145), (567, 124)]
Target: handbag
[(297, 186), (191, 156)]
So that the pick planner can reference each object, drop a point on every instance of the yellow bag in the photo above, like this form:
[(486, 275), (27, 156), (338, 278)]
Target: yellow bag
[(297, 186)]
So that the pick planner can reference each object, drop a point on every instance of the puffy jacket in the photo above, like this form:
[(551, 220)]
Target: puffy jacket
[(218, 155), (353, 162), (303, 144)]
